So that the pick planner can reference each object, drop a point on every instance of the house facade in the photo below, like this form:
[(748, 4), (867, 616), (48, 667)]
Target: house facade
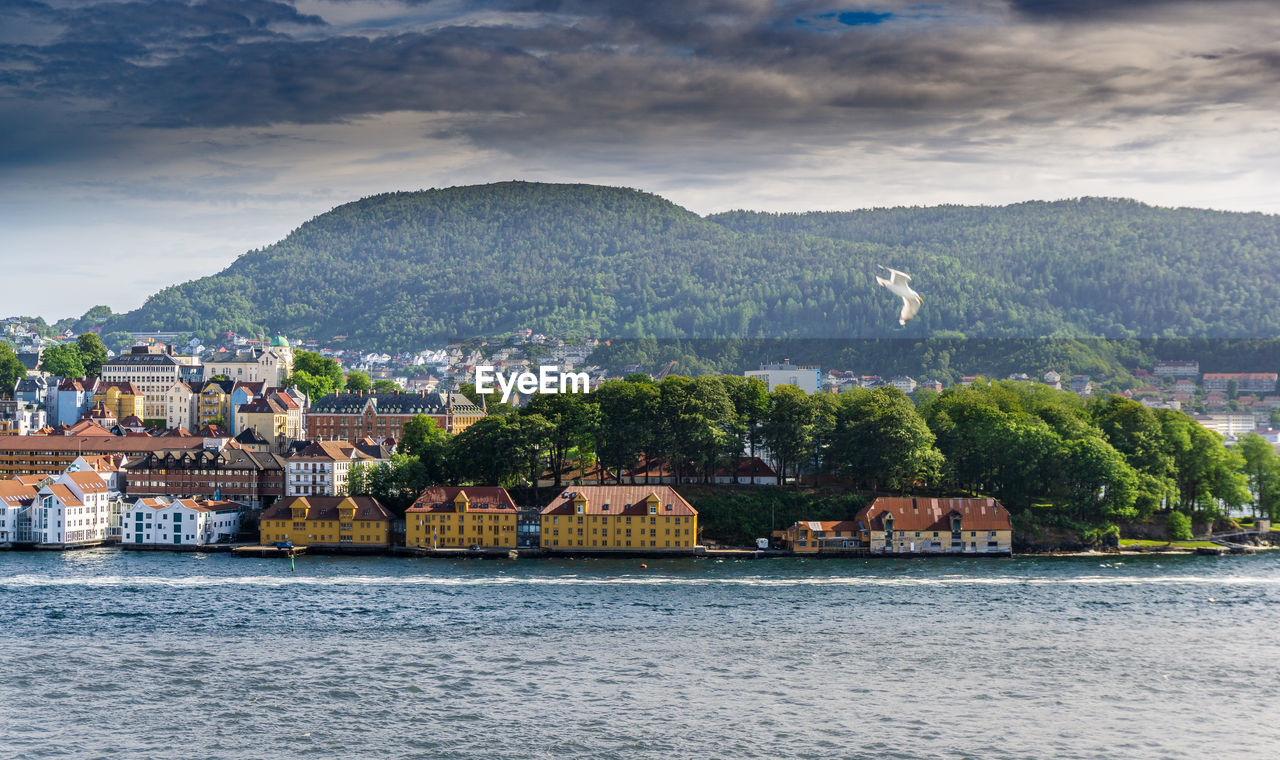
[(619, 518), (454, 517), (76, 509), (352, 416), (152, 370), (252, 478), (328, 521), (321, 467), (159, 522), (120, 399), (910, 525), (269, 364)]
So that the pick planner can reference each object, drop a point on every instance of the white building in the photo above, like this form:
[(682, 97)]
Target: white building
[(269, 364), (76, 509), (903, 383), (152, 370), (182, 522), (807, 379), (321, 468), (1228, 424), (16, 497)]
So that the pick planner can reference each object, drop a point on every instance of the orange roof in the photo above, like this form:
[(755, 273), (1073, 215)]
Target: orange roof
[(30, 480), (209, 506), (154, 503), (15, 493), (89, 482), (92, 444), (326, 508), (64, 495), (621, 500), (911, 513), (828, 525), (479, 499)]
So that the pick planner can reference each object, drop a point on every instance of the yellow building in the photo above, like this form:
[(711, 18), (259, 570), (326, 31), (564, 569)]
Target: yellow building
[(334, 521), (613, 518), (120, 399), (453, 517), (809, 536), (213, 404)]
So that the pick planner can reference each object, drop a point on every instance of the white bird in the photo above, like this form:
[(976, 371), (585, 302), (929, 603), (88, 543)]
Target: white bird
[(897, 284)]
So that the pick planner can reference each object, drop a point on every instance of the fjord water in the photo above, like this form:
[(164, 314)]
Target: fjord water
[(151, 655)]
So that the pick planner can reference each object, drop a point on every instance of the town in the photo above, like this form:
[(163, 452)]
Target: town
[(268, 443)]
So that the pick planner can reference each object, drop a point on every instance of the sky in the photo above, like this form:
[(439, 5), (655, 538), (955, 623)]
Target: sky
[(145, 143)]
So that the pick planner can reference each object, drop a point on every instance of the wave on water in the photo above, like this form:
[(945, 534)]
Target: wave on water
[(277, 581)]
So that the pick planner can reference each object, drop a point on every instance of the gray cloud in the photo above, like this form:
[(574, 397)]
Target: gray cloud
[(719, 103)]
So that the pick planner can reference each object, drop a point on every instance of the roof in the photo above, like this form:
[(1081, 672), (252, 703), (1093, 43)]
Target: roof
[(81, 384), (30, 480), (15, 493), (251, 436), (621, 500), (828, 525), (910, 513), (331, 451), (196, 505), (109, 444), (89, 482), (120, 385), (264, 405), (200, 458), (137, 360), (64, 495), (326, 508), (749, 467), (479, 499), (395, 403)]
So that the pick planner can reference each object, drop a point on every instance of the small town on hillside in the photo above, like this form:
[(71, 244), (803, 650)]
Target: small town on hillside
[(177, 445)]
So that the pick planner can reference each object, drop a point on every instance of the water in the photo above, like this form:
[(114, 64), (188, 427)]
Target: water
[(149, 655)]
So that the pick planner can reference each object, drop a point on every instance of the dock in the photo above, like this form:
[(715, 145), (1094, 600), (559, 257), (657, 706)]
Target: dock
[(267, 551)]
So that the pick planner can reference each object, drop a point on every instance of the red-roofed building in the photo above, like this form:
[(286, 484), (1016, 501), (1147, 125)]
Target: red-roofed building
[(455, 517), (619, 518), (357, 522), (922, 525)]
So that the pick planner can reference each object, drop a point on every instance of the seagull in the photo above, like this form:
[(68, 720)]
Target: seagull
[(897, 284)]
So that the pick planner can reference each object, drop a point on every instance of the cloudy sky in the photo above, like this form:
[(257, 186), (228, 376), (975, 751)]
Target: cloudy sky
[(145, 143)]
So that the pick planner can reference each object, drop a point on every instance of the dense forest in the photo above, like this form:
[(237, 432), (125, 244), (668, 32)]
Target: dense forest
[(413, 269), (1053, 458)]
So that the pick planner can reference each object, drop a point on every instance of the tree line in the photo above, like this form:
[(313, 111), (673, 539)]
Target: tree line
[(1038, 450)]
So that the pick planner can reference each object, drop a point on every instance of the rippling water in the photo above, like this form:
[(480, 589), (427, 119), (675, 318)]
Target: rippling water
[(150, 655)]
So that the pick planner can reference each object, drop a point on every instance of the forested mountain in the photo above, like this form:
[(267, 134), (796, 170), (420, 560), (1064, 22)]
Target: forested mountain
[(412, 269)]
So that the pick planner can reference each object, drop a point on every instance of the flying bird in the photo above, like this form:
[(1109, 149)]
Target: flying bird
[(897, 284)]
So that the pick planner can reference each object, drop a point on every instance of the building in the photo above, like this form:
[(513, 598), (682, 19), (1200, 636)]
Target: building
[(454, 517), (749, 471), (160, 522), (76, 509), (807, 379), (320, 468), (352, 416), (612, 518), (53, 454), (19, 417), (213, 403), (16, 497), (810, 536), (909, 525), (269, 364), (1227, 424), (252, 478), (1189, 369), (904, 383), (276, 417), (119, 399), (332, 521), (152, 369), (32, 389), (1246, 382), (180, 406), (72, 400)]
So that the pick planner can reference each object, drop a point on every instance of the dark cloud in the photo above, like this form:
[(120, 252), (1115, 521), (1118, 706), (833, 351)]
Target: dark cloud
[(1087, 10)]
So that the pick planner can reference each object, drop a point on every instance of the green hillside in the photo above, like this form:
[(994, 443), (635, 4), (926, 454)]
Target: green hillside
[(412, 269)]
